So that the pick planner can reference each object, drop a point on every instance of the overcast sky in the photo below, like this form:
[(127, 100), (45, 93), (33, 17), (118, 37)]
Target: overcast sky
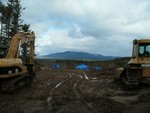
[(97, 26)]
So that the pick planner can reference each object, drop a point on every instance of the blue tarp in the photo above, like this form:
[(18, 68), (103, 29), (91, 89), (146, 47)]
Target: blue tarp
[(57, 66), (98, 68), (82, 66)]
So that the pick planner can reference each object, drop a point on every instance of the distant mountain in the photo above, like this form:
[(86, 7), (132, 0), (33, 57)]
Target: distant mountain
[(78, 55)]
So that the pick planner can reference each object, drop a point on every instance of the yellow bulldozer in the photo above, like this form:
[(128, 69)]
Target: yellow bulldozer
[(17, 65), (138, 68)]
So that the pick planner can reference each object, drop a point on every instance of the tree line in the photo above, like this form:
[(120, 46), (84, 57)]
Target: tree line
[(10, 22)]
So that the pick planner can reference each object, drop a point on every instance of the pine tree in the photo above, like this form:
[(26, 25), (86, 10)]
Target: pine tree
[(10, 21), (16, 21), (25, 28)]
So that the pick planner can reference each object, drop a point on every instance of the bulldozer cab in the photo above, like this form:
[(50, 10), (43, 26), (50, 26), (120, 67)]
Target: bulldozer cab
[(141, 48), (144, 50)]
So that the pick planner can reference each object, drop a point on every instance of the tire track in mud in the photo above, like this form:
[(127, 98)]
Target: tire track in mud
[(88, 105), (75, 85), (60, 84), (66, 94), (78, 93), (53, 91)]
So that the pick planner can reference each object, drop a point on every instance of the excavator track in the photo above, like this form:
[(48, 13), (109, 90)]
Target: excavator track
[(18, 82)]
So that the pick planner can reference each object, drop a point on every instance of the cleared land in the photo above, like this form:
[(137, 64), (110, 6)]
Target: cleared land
[(76, 91)]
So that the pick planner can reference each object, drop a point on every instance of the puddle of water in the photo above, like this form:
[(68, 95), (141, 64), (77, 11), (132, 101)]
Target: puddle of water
[(49, 98), (58, 85), (121, 99), (75, 85), (48, 84), (70, 75), (81, 76), (94, 78), (86, 76)]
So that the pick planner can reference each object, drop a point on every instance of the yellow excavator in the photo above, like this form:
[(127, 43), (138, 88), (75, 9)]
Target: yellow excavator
[(17, 66), (138, 68)]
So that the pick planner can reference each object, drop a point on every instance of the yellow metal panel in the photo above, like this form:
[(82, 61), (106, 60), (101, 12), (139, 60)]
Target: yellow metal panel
[(144, 41), (146, 72), (10, 62)]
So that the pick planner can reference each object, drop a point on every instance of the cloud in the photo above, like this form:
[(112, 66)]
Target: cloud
[(61, 40), (97, 26)]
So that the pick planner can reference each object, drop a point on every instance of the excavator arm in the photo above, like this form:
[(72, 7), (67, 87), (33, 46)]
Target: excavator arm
[(17, 40)]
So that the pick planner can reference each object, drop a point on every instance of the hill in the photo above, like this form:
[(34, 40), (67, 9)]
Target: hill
[(78, 55)]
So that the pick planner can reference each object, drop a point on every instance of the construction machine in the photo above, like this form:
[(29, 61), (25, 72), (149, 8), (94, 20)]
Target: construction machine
[(17, 66), (138, 68)]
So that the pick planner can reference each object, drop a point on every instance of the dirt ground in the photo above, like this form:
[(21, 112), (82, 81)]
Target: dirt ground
[(76, 91)]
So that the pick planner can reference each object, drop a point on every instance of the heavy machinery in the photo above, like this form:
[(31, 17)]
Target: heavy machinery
[(17, 66), (138, 68)]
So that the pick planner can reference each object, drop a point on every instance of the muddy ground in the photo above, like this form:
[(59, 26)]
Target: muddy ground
[(76, 91)]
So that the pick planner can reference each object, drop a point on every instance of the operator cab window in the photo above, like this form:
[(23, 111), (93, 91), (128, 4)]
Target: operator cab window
[(144, 50), (134, 50)]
